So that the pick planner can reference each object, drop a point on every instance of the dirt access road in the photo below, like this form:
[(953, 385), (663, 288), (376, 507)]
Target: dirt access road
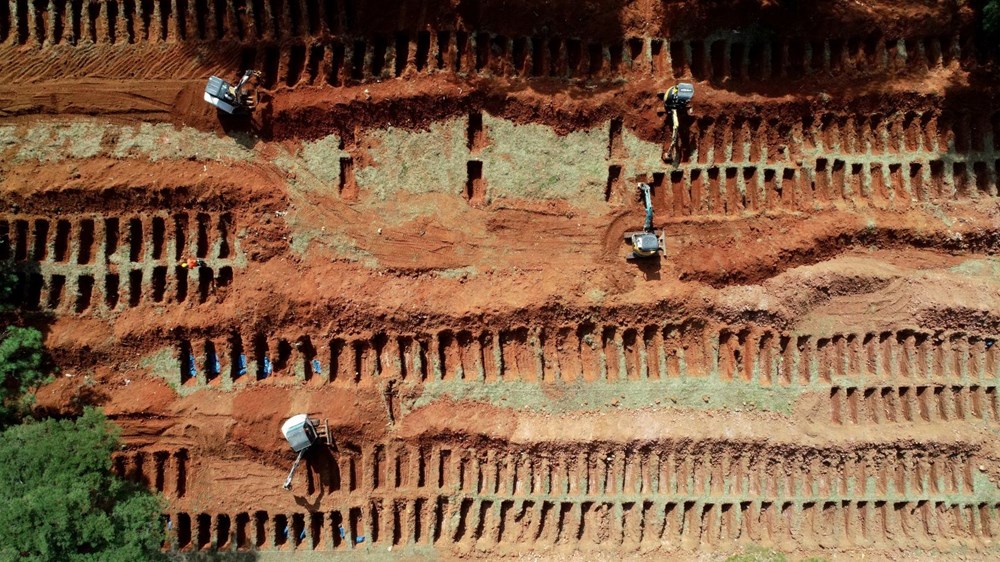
[(418, 237)]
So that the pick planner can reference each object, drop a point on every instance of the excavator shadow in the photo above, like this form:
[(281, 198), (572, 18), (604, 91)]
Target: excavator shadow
[(650, 267), (246, 130)]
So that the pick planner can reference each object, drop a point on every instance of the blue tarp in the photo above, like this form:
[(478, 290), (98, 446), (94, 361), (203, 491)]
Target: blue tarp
[(213, 365), (302, 534)]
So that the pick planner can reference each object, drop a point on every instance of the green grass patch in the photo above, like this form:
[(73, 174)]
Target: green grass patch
[(559, 397)]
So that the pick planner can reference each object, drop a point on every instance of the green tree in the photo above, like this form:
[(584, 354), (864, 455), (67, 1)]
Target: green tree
[(22, 360), (59, 499), (8, 286), (20, 369), (991, 21)]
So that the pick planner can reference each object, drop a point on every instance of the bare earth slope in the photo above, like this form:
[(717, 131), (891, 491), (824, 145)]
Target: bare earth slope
[(419, 237)]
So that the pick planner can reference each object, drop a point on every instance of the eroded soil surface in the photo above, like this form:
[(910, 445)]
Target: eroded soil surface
[(418, 237)]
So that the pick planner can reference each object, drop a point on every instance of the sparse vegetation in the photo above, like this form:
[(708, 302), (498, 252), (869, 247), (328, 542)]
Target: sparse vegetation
[(758, 554)]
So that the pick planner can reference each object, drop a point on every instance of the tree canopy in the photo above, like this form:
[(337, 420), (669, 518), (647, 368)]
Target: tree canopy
[(20, 368), (991, 21), (59, 499), (22, 359)]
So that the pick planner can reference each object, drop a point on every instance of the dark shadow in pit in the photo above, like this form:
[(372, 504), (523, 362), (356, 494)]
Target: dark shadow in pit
[(650, 267), (246, 130), (566, 48), (825, 48), (213, 556)]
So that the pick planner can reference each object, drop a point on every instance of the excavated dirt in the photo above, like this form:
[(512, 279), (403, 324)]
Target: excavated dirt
[(418, 237)]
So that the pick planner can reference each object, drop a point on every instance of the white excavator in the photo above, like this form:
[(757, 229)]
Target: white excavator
[(303, 433), (238, 99)]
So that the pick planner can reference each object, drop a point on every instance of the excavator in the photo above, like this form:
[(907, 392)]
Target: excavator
[(675, 101), (302, 433), (239, 99), (646, 243)]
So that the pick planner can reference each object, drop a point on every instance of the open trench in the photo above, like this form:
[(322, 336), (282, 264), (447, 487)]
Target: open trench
[(845, 488), (637, 497), (112, 262)]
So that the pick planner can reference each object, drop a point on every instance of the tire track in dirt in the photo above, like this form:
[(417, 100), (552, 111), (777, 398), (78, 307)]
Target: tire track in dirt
[(754, 268), (298, 42), (878, 404)]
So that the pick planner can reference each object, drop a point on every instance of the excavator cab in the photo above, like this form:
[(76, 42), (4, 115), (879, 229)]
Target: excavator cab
[(645, 243), (238, 99), (678, 97)]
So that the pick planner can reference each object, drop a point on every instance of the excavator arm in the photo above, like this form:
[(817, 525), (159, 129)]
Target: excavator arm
[(669, 153), (248, 98), (648, 224), (646, 242), (246, 78), (676, 100)]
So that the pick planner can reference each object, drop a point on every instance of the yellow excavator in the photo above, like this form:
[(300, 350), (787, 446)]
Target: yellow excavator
[(675, 101), (646, 243)]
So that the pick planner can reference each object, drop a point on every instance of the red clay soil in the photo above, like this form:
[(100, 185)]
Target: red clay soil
[(812, 372)]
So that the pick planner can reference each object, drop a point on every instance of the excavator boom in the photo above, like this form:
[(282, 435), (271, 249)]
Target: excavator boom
[(288, 481), (648, 224), (645, 243), (676, 100)]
